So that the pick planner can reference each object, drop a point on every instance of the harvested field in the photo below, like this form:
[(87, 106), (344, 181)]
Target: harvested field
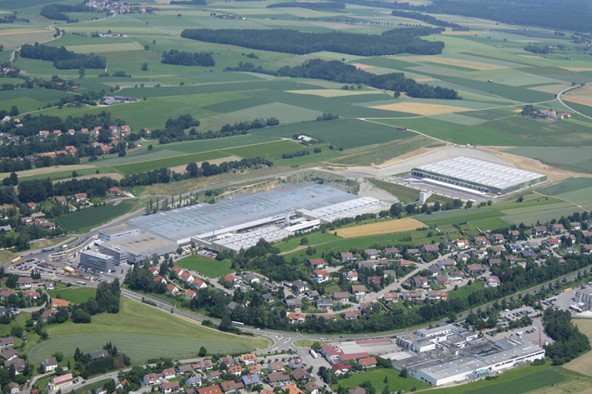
[(13, 32), (579, 99), (333, 92), (577, 69), (391, 226), (421, 108), (362, 66), (449, 61), (550, 88)]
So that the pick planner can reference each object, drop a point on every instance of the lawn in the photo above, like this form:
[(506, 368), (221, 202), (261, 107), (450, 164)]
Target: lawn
[(205, 265), (377, 377), (77, 295), (464, 291), (83, 221), (142, 332)]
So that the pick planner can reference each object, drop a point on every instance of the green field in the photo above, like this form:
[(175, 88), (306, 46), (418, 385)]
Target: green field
[(83, 221), (75, 295), (377, 376), (205, 265), (516, 381), (142, 332)]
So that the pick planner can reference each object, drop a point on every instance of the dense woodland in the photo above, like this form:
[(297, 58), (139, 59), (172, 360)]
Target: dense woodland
[(57, 12), (429, 19), (337, 71), (392, 42), (574, 15), (569, 341), (61, 57), (173, 56)]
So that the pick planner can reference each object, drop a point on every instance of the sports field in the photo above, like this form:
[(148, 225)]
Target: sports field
[(386, 227), (142, 332)]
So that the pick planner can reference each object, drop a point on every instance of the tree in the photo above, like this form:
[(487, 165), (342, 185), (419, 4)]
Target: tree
[(202, 352), (192, 170), (404, 373), (144, 66), (14, 111), (81, 72)]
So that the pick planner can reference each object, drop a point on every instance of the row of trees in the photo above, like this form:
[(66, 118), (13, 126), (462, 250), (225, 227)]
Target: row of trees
[(182, 58), (61, 57), (337, 71), (391, 42), (429, 19), (38, 190)]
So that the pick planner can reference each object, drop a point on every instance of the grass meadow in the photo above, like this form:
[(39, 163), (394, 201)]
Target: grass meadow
[(86, 219), (142, 332), (205, 265)]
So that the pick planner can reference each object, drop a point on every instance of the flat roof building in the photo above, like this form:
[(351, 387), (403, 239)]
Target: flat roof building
[(478, 175), (96, 261), (135, 249)]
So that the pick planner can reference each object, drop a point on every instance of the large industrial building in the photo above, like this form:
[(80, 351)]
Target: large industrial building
[(239, 223), (234, 224), (452, 354), (468, 174)]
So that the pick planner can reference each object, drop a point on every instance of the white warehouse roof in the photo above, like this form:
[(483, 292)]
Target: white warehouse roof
[(481, 172)]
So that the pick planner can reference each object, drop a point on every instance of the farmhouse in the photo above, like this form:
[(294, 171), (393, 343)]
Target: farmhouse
[(479, 176)]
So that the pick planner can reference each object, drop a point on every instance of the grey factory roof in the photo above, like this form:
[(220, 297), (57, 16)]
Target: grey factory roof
[(198, 219), (481, 172)]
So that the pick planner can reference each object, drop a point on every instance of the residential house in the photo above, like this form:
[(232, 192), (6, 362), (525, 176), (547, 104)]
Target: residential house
[(248, 358), (317, 263), (189, 294), (198, 284), (293, 303), (193, 381), (371, 254), (80, 197), (291, 389), (390, 296), (235, 370), (115, 191), (251, 278), (351, 276), (57, 303), (300, 375), (215, 389), (340, 296), (277, 378), (250, 380), (311, 388), (475, 269), (431, 249), (169, 373), (492, 281), (61, 381), (359, 291), (276, 366), (25, 282), (413, 296), (421, 281), (6, 342), (367, 362), (437, 295), (231, 385), (172, 289), (296, 318), (321, 275), (461, 243), (299, 286), (497, 238), (374, 280), (392, 252), (49, 364), (442, 280), (169, 387), (324, 303), (346, 257)]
